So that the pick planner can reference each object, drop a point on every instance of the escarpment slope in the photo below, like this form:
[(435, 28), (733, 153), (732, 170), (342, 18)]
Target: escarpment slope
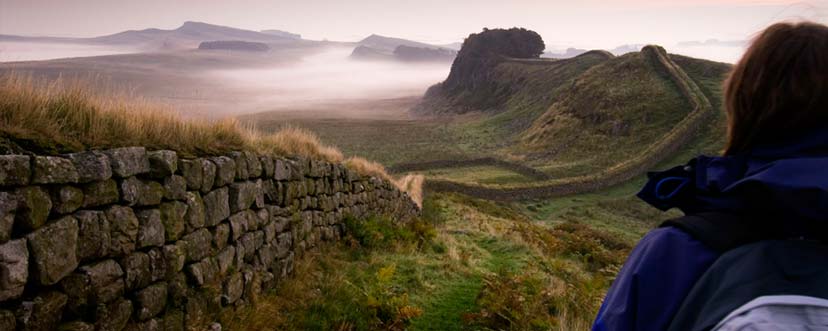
[(588, 122)]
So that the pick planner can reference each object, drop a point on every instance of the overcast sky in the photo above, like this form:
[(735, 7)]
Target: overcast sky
[(589, 23)]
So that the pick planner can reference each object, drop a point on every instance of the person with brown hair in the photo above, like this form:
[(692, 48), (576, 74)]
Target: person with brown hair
[(750, 252)]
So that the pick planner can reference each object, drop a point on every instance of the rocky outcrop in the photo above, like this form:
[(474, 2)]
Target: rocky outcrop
[(471, 85), (131, 239)]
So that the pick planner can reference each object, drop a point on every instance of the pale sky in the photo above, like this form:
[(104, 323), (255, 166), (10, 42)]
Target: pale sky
[(586, 24)]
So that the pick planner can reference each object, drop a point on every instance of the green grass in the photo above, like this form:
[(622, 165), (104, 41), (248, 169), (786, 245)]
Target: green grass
[(479, 174)]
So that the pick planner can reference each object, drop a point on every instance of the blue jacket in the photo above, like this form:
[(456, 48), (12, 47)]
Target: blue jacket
[(788, 180), (659, 273)]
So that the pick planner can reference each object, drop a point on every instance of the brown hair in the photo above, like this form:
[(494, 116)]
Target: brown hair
[(779, 88)]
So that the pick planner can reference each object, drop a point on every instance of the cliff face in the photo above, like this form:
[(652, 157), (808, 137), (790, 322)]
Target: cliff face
[(471, 81), (126, 238)]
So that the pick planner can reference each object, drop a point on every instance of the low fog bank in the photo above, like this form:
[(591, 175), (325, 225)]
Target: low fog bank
[(329, 76), (13, 51)]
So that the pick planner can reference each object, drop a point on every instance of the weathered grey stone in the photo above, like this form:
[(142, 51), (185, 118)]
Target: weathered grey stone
[(281, 170), (225, 170), (100, 193), (66, 199), (93, 235), (233, 288), (54, 170), (113, 316), (42, 313), (123, 226), (242, 172), (175, 257), (162, 163), (136, 270), (267, 166), (158, 264), (242, 195), (8, 206), (105, 280), (198, 244), (283, 244), (91, 166), (54, 259), (76, 326), (225, 259), (128, 161), (137, 192), (33, 206), (214, 327), (209, 175), (239, 224), (259, 194), (254, 165), (150, 228), (175, 188), (196, 216), (172, 215), (7, 320), (221, 233), (193, 173), (204, 272), (217, 206), (15, 170), (14, 269), (150, 301)]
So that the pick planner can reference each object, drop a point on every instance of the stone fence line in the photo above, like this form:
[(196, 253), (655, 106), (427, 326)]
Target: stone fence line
[(130, 239)]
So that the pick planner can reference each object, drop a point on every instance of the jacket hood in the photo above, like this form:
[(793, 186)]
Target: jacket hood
[(788, 180)]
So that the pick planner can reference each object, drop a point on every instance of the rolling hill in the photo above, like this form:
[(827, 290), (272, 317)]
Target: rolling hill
[(587, 122), (188, 35)]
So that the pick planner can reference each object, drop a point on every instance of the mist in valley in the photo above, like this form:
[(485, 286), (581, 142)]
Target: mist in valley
[(13, 51), (327, 76)]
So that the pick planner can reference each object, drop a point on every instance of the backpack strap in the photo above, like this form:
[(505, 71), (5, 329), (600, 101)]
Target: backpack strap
[(720, 231)]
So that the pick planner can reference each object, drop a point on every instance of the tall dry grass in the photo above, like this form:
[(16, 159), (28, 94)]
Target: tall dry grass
[(64, 116)]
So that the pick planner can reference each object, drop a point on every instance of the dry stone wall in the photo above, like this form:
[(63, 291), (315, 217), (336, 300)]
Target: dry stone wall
[(129, 239)]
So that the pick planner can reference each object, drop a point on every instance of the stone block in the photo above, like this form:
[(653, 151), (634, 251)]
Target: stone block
[(128, 161), (66, 199), (150, 228), (175, 188), (54, 170), (137, 272), (100, 193), (193, 174), (217, 206), (8, 207), (15, 170), (198, 244), (225, 170), (14, 269), (54, 259), (242, 195), (41, 313), (33, 206), (150, 301), (137, 192), (91, 166), (93, 234), (162, 163), (114, 315), (123, 226), (196, 216), (173, 218)]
